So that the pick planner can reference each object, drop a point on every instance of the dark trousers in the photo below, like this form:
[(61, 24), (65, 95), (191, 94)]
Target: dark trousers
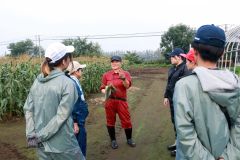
[(82, 139), (172, 116)]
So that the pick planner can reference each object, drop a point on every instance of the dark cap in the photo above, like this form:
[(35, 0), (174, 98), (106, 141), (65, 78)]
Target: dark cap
[(176, 52), (210, 35), (116, 58)]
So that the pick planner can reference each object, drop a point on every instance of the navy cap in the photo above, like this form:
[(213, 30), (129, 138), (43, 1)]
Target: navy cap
[(116, 58), (210, 35), (176, 52)]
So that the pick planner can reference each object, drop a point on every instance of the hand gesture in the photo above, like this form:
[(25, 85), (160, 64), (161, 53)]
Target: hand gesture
[(166, 102), (122, 76)]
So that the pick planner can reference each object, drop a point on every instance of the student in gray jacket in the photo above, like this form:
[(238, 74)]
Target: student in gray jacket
[(48, 108), (207, 104)]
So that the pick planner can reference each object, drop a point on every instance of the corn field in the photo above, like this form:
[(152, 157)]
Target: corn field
[(17, 78), (92, 75), (15, 82)]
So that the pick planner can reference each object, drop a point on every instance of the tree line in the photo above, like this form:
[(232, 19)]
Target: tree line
[(82, 47), (179, 35)]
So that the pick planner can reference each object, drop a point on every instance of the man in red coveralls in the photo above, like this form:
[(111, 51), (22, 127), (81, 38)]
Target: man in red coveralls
[(116, 103)]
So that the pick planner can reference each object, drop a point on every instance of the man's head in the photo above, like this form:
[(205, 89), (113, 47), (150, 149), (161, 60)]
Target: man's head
[(175, 56), (209, 43), (116, 62)]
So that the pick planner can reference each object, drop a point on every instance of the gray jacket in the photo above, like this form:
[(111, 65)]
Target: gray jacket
[(48, 111), (202, 126)]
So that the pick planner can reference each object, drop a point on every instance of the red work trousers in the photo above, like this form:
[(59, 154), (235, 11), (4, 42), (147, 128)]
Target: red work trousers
[(113, 107)]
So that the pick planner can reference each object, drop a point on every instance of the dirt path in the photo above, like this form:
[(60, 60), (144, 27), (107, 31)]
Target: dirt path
[(152, 128), (151, 124), (13, 141), (10, 152)]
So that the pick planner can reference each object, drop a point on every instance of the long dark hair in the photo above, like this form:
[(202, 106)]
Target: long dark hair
[(47, 66)]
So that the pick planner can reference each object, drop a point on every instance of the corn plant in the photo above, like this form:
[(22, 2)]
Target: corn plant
[(92, 77), (15, 82), (16, 78)]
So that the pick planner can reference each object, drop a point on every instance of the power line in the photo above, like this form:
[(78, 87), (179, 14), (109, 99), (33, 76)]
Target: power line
[(156, 35), (100, 36), (110, 37), (4, 44)]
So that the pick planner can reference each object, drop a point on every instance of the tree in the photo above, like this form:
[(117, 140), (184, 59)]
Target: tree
[(133, 58), (21, 47), (37, 50), (179, 36), (82, 47)]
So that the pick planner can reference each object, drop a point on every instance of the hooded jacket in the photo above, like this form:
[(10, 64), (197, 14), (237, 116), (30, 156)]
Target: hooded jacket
[(48, 111), (207, 106)]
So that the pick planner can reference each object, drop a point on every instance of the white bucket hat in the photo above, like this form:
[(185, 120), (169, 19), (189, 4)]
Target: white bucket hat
[(74, 66), (56, 51)]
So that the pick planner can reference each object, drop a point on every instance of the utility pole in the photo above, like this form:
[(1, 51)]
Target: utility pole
[(37, 43), (226, 27), (39, 49)]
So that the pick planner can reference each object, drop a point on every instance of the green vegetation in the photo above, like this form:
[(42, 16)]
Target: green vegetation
[(92, 76), (179, 36), (237, 71), (158, 63), (16, 80), (83, 47), (23, 47), (133, 58)]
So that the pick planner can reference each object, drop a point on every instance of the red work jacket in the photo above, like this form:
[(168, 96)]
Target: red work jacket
[(112, 77)]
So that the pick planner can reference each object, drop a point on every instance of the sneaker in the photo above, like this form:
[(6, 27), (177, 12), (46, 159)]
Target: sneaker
[(173, 153), (131, 143), (114, 144)]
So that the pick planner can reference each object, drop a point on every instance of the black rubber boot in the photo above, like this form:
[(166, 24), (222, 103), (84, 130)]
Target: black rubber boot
[(130, 141), (111, 132)]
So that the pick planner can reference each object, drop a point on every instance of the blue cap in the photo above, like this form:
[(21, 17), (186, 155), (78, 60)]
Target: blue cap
[(210, 35), (116, 58), (176, 52)]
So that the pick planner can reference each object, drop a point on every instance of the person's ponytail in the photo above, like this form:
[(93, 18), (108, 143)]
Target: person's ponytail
[(45, 67)]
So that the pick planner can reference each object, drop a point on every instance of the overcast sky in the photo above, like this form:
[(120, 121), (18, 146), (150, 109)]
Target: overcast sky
[(21, 19)]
